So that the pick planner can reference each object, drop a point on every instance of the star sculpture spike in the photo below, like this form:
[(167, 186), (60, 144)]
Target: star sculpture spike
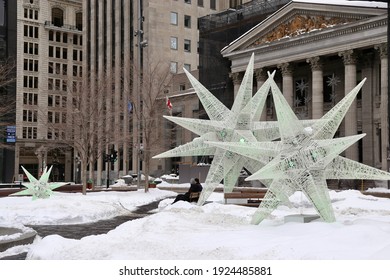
[(237, 124), (304, 158), (39, 188)]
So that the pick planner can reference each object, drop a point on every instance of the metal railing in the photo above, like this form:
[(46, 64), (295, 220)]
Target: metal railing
[(64, 26), (230, 16)]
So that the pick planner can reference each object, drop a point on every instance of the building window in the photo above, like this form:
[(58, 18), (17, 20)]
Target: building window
[(64, 100), (50, 84), (65, 53), (75, 70), (173, 67), (301, 92), (57, 16), (31, 14), (187, 1), (187, 21), (235, 4), (187, 45), (187, 66), (30, 115), (30, 82), (31, 31), (174, 43), (75, 37), (200, 3), (79, 21), (182, 87), (58, 52), (30, 98), (173, 18), (50, 68), (51, 35), (29, 132), (31, 48), (50, 117), (31, 65), (212, 4)]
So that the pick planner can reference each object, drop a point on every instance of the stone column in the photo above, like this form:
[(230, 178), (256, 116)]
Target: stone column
[(100, 69), (317, 87), (118, 75), (16, 165), (261, 77), (382, 48), (288, 83), (237, 79), (109, 76), (126, 85), (92, 69), (349, 59), (367, 111), (68, 166)]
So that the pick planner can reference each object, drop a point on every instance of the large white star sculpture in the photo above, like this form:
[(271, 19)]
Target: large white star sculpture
[(240, 124), (39, 188), (305, 157), (235, 125)]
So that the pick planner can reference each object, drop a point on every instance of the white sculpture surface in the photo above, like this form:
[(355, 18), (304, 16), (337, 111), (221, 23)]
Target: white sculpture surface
[(39, 188), (304, 157), (238, 124)]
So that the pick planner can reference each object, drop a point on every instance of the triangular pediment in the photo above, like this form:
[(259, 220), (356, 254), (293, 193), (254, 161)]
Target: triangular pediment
[(300, 25), (297, 19)]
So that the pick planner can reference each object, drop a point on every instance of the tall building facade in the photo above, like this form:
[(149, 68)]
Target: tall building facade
[(7, 55), (59, 42), (49, 60), (120, 34)]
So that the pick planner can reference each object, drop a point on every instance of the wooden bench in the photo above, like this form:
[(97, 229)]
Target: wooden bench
[(245, 197), (194, 196)]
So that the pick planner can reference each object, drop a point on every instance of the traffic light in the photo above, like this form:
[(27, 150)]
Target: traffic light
[(114, 156)]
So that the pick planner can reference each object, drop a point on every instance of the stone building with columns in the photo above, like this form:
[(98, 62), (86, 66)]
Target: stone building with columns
[(320, 52), (49, 59)]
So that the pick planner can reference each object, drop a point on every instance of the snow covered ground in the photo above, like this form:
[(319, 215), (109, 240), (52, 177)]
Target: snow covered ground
[(215, 231)]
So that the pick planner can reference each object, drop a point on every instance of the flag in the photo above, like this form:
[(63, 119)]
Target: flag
[(129, 106), (169, 104)]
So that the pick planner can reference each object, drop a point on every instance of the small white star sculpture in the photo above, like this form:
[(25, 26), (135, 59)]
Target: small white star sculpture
[(39, 188)]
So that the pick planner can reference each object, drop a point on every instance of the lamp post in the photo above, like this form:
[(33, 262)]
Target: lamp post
[(141, 44)]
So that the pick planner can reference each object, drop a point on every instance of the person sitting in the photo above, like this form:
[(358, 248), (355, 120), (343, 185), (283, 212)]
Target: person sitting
[(195, 187)]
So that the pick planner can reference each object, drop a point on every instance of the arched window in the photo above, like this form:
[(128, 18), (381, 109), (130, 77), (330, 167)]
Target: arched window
[(79, 21), (57, 16)]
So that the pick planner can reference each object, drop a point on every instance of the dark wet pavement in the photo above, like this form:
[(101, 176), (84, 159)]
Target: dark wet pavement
[(79, 231)]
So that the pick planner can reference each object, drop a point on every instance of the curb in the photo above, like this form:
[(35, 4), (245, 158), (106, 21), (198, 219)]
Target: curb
[(10, 237)]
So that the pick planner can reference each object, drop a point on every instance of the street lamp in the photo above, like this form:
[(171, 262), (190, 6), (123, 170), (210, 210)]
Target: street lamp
[(141, 43)]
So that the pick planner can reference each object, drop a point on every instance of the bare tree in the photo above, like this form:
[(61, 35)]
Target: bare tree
[(85, 128), (155, 79), (7, 102)]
